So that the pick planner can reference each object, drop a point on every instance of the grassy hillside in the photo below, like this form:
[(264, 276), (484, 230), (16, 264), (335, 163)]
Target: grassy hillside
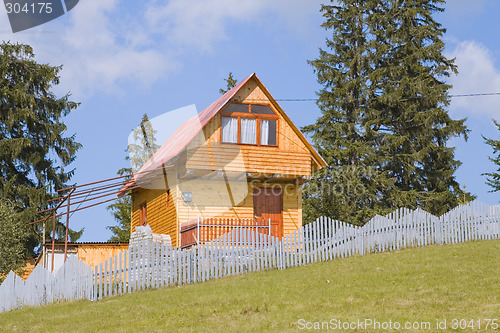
[(416, 285)]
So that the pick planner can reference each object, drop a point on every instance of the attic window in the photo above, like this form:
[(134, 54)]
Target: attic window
[(243, 108), (251, 124), (261, 109)]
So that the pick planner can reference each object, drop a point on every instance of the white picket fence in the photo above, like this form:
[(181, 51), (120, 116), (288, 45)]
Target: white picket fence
[(149, 264)]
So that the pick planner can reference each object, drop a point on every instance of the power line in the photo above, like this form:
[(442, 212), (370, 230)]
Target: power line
[(474, 95), (297, 100), (452, 96)]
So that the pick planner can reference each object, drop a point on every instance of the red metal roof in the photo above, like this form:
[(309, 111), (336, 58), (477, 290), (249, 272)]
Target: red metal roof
[(180, 139)]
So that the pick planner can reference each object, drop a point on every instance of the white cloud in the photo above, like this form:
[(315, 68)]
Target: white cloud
[(477, 74), (201, 23), (105, 43), (95, 50)]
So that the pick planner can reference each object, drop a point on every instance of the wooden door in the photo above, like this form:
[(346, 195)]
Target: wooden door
[(268, 204)]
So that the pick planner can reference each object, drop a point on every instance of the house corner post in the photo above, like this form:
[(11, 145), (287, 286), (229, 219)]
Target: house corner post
[(198, 231)]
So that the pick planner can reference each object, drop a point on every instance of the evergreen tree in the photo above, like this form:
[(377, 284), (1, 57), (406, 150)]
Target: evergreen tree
[(12, 237), (384, 126), (412, 98), (353, 186), (231, 83), (493, 179), (139, 152), (144, 144), (34, 149), (121, 210)]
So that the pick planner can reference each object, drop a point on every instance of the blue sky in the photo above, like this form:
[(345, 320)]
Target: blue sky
[(123, 59)]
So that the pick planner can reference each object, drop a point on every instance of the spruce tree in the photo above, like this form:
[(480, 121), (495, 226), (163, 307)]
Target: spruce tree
[(352, 187), (493, 178), (12, 236), (139, 152), (384, 127), (144, 144), (34, 146), (231, 83), (121, 210), (412, 99)]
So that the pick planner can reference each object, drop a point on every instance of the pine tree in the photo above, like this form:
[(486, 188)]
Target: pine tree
[(231, 83), (493, 179), (384, 127), (34, 149), (353, 186)]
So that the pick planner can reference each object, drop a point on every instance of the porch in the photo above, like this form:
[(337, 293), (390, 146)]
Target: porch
[(201, 231)]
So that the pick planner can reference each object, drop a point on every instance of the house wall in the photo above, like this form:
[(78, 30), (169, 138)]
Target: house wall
[(255, 159), (46, 259), (207, 198), (91, 254), (94, 254), (211, 199), (292, 208), (161, 212)]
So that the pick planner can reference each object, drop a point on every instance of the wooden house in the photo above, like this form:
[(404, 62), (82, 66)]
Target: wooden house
[(238, 162)]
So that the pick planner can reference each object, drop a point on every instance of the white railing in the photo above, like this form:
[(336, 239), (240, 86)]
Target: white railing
[(148, 264), (205, 230)]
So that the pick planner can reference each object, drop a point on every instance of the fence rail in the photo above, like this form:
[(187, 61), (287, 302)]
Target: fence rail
[(148, 264)]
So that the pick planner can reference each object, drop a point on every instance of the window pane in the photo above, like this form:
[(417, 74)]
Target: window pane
[(249, 131), (243, 108), (268, 132), (261, 109), (229, 129)]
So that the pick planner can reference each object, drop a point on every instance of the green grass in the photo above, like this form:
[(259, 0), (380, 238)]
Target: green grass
[(423, 284)]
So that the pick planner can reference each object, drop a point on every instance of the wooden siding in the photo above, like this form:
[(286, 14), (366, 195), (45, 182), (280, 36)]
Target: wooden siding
[(292, 208), (204, 192), (260, 159), (161, 219), (211, 199), (251, 93), (212, 131)]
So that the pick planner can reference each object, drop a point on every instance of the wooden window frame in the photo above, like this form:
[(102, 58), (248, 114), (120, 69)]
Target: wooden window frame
[(258, 117)]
